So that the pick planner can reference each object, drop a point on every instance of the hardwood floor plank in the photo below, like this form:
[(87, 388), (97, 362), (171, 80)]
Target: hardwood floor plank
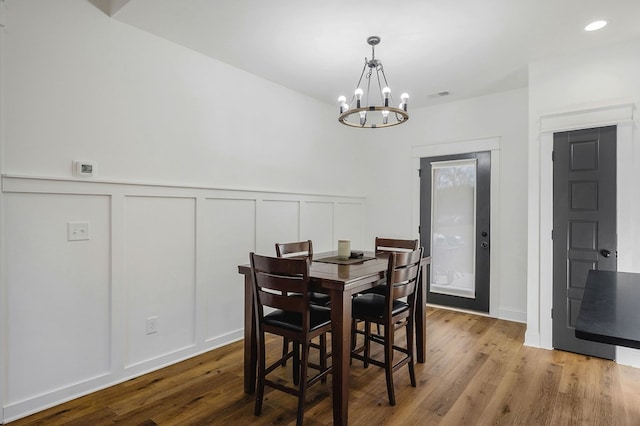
[(477, 373)]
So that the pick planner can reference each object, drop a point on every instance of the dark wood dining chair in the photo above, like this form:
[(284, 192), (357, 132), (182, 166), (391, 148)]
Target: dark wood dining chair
[(300, 249), (392, 309), (282, 284)]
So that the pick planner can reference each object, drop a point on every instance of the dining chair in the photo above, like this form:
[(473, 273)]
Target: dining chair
[(300, 249), (282, 285), (392, 309)]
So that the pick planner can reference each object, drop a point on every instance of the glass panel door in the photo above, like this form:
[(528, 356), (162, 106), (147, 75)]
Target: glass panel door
[(453, 227)]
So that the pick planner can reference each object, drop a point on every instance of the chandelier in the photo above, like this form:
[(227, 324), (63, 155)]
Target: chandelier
[(366, 114)]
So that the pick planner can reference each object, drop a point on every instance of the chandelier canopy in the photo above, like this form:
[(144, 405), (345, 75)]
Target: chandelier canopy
[(366, 113)]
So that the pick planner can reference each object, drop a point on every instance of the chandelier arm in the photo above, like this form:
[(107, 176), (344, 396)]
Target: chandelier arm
[(379, 84), (368, 86), (364, 68)]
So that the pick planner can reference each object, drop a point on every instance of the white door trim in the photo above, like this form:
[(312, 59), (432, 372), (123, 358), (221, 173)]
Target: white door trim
[(540, 247)]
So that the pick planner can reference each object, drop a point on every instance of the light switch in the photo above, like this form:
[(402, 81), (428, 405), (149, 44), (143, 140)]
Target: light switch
[(77, 231)]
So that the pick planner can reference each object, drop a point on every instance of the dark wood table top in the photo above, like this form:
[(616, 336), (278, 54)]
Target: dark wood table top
[(610, 309)]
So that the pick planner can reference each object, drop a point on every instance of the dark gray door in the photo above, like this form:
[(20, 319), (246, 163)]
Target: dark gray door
[(455, 217), (584, 227)]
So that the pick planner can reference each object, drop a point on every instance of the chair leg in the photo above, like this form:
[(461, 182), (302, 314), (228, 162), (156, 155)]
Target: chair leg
[(388, 362), (367, 343), (354, 337), (285, 350), (410, 337), (302, 379), (323, 356), (296, 362), (260, 372)]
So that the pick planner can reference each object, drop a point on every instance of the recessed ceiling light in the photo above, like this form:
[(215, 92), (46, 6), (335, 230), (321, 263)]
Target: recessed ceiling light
[(595, 25)]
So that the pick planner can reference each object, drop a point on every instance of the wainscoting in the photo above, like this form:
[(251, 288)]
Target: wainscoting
[(77, 312)]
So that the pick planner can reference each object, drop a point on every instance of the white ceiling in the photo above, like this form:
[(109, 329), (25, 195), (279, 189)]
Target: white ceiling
[(466, 47)]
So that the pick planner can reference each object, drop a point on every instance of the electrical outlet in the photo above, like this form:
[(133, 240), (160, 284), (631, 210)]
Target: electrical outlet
[(152, 325), (77, 231)]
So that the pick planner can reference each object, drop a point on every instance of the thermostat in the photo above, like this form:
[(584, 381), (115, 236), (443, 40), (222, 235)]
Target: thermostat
[(85, 168)]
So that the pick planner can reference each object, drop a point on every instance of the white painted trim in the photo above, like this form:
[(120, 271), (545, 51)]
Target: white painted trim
[(491, 144), (23, 183), (540, 274), (587, 118)]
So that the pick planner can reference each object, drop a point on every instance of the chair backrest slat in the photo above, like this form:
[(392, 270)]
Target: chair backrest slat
[(395, 245), (295, 249)]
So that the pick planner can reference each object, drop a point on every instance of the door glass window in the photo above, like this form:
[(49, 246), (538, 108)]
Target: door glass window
[(453, 227)]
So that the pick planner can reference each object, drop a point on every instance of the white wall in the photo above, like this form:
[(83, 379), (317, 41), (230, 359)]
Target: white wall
[(596, 88), (84, 86), (198, 164), (392, 176)]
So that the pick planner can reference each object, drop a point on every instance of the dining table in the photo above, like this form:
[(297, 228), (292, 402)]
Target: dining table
[(341, 279)]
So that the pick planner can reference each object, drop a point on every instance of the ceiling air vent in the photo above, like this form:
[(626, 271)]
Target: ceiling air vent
[(440, 94)]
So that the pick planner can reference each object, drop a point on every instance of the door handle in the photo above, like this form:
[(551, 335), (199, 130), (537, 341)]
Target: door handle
[(605, 253)]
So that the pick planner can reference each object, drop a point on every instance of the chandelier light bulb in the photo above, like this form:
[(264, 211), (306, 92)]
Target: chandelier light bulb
[(363, 117), (385, 116), (386, 92), (358, 94), (342, 99), (404, 97)]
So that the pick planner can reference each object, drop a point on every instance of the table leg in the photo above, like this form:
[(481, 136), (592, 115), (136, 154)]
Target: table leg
[(250, 342), (341, 354), (421, 315)]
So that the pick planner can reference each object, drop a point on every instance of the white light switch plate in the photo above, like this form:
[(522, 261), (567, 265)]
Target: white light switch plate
[(77, 231)]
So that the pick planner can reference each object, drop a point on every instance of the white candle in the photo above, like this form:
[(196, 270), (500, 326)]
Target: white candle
[(344, 249)]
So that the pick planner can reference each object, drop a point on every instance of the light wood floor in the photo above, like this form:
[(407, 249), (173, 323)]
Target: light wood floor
[(477, 372)]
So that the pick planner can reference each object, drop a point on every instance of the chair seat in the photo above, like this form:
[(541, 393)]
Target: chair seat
[(371, 305), (319, 316), (316, 298), (320, 299), (379, 288)]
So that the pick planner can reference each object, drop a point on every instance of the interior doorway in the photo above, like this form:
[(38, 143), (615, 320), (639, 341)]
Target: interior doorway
[(584, 226)]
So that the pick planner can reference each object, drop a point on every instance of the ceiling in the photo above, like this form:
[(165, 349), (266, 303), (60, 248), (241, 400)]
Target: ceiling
[(465, 47)]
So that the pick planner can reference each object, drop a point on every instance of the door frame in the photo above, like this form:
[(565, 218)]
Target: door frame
[(492, 145), (540, 246)]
